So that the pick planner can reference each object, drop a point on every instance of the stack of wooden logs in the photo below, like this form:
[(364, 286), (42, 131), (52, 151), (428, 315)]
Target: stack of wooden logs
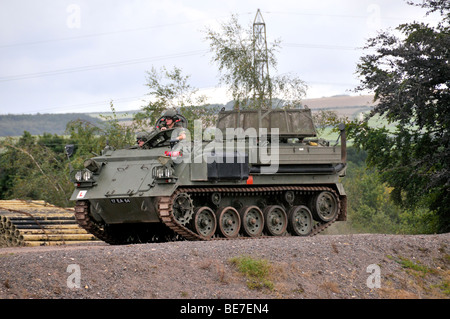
[(37, 223)]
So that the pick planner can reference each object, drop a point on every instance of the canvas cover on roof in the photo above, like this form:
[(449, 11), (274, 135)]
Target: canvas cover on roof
[(290, 122)]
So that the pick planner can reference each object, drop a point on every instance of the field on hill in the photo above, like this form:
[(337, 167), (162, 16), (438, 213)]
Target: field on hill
[(38, 124)]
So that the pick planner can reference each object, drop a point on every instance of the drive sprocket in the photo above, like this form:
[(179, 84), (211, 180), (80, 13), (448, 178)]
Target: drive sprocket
[(183, 208)]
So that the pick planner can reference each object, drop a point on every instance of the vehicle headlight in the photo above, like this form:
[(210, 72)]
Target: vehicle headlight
[(87, 175), (83, 175), (162, 172), (78, 176)]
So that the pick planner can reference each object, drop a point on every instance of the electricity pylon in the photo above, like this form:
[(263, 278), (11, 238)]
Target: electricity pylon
[(262, 91)]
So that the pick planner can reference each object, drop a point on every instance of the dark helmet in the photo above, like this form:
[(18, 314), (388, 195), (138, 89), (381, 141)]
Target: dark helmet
[(142, 136), (170, 113)]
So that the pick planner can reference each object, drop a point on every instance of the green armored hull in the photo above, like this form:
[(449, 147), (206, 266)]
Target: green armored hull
[(263, 174)]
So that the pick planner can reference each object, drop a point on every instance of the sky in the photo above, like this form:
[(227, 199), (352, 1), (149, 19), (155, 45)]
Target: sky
[(59, 56)]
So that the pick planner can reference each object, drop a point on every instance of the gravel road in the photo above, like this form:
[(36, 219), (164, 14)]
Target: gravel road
[(324, 266)]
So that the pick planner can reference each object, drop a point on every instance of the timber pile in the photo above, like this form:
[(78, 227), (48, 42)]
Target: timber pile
[(37, 223)]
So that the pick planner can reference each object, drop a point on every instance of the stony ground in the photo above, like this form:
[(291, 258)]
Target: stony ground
[(324, 266)]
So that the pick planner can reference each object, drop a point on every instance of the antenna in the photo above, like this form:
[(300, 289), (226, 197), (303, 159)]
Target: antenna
[(69, 149), (262, 91)]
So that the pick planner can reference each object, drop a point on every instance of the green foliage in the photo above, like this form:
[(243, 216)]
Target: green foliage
[(171, 89), (371, 210), (205, 113), (257, 271), (233, 51), (36, 167), (85, 136), (31, 170), (418, 221), (330, 120), (168, 89), (115, 133), (409, 76), (53, 142), (370, 205), (416, 266)]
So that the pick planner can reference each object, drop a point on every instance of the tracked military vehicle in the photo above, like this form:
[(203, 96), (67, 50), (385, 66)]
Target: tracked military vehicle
[(259, 173)]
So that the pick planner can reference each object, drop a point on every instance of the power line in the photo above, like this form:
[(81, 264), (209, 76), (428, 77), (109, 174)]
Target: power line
[(344, 16), (83, 106), (157, 58), (99, 66), (90, 35), (321, 46), (100, 34), (118, 100)]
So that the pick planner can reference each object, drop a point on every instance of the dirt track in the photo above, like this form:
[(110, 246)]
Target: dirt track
[(324, 266)]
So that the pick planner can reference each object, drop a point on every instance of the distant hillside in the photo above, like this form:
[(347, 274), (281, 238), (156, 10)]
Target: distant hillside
[(38, 124), (14, 125), (344, 105)]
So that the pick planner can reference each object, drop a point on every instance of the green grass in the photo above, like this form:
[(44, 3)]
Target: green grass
[(409, 264), (418, 270), (257, 271)]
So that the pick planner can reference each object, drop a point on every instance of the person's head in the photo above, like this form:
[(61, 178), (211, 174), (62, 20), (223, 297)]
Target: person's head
[(141, 138), (169, 121), (170, 117)]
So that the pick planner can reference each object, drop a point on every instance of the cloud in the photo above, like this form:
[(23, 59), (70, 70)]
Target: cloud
[(82, 53)]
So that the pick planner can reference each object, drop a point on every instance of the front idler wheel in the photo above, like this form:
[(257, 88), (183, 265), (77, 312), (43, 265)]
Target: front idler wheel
[(325, 206), (275, 220), (204, 222)]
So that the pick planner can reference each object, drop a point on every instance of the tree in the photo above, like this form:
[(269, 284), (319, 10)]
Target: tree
[(85, 136), (232, 48), (31, 170), (370, 208), (410, 78), (171, 89), (115, 133)]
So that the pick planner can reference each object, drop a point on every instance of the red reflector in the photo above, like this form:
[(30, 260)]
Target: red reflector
[(250, 180), (173, 153)]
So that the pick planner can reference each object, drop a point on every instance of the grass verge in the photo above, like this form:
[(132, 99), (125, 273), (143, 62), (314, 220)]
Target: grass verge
[(257, 271)]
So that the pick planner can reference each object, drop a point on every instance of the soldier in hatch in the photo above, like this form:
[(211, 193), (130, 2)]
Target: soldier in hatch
[(170, 120), (141, 138)]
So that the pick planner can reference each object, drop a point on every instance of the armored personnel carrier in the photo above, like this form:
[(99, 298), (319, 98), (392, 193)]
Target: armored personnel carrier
[(260, 173)]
